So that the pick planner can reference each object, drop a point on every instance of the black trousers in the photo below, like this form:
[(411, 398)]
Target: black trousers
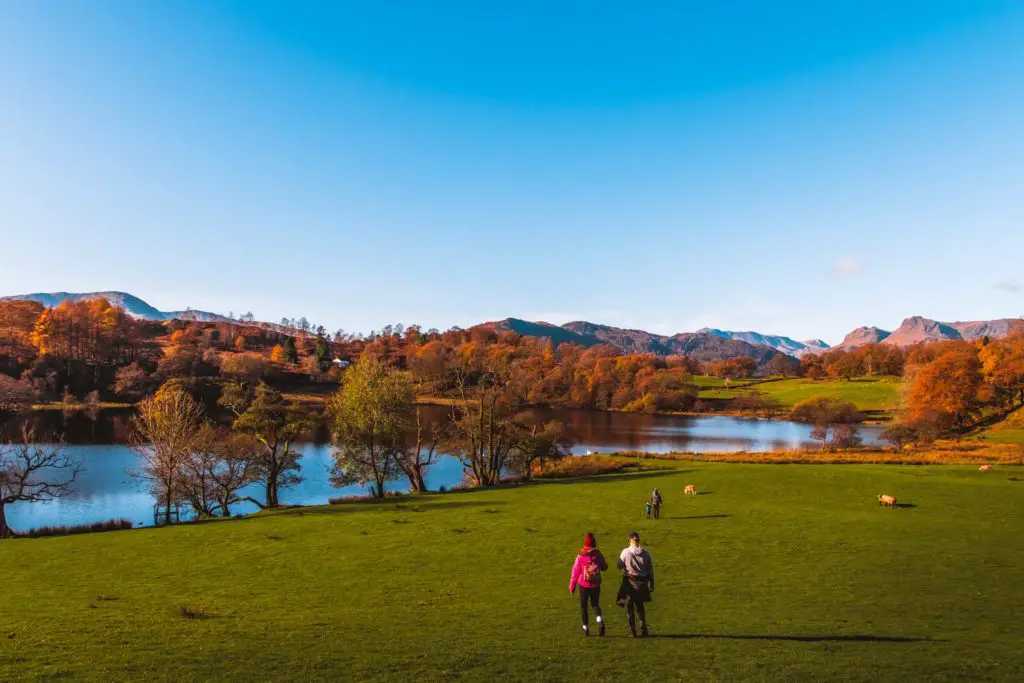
[(634, 608), (593, 597), (657, 511)]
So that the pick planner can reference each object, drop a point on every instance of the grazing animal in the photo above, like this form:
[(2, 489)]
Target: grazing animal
[(985, 468), (690, 490), (886, 499)]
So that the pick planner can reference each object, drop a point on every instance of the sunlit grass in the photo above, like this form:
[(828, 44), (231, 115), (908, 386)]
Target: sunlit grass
[(776, 573)]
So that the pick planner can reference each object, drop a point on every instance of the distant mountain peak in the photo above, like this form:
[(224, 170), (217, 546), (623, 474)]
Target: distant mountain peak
[(132, 305), (786, 345), (862, 336), (916, 329)]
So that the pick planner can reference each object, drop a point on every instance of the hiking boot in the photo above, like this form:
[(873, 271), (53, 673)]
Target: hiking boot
[(631, 633), (600, 628), (643, 631), (586, 631)]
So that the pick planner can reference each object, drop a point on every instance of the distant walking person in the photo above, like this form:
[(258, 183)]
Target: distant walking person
[(647, 509), (586, 575), (656, 501), (637, 583)]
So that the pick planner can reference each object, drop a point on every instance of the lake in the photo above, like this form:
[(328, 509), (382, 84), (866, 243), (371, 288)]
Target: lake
[(106, 489)]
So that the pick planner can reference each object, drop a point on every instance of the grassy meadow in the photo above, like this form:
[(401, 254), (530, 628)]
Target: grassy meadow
[(1010, 430), (871, 395), (773, 573), (876, 396)]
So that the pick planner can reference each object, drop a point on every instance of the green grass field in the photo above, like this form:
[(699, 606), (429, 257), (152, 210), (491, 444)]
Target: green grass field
[(775, 573), (873, 395), (1010, 430)]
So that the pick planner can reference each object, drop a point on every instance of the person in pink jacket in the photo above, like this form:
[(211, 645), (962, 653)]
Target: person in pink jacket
[(586, 575)]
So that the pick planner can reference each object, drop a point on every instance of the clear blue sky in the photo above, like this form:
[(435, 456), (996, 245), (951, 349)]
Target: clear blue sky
[(796, 168)]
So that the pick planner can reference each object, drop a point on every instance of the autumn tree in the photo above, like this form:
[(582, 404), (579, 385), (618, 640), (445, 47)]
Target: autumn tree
[(484, 433), (245, 367), (131, 381), (900, 434), (740, 367), (186, 361), (220, 464), (430, 365), (1002, 367), (880, 359), (92, 331), (420, 451), (539, 444), (947, 386), (277, 354), (17, 321), (31, 472), (15, 395), (830, 416), (755, 404), (369, 417), (167, 429), (783, 365), (274, 422), (812, 367), (842, 365)]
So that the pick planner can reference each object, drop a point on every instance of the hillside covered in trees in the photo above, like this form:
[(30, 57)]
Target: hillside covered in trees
[(93, 351)]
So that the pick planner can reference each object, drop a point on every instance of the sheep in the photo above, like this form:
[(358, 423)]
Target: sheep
[(886, 499), (985, 468), (690, 490)]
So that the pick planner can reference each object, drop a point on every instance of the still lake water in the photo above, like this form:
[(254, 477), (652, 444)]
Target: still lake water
[(106, 489)]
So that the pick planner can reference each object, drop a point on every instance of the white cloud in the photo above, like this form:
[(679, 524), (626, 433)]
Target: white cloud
[(848, 267), (1012, 286)]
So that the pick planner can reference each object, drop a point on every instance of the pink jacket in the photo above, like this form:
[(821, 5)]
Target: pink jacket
[(584, 558)]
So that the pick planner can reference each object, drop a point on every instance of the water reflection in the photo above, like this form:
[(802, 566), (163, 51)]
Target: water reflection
[(106, 490)]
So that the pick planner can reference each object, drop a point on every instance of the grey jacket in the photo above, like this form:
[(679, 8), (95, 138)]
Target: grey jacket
[(636, 562)]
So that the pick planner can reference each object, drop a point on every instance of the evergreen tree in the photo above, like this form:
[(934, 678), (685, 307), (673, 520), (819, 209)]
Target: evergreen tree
[(291, 355)]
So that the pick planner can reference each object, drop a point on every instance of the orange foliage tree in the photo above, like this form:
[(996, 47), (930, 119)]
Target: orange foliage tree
[(947, 388)]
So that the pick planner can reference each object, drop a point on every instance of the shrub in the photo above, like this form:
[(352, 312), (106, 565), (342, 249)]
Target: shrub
[(900, 434), (587, 466), (15, 394)]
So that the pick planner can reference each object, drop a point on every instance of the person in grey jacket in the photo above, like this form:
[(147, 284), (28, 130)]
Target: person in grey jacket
[(637, 583)]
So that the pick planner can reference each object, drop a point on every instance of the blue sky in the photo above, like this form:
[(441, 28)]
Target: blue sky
[(794, 168)]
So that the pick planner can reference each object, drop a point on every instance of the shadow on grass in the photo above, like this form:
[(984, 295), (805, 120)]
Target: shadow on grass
[(802, 639), (421, 505), (905, 505), (613, 478), (700, 517)]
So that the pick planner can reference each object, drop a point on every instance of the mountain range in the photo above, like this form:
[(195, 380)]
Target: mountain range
[(916, 329), (132, 305), (714, 344), (704, 344)]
